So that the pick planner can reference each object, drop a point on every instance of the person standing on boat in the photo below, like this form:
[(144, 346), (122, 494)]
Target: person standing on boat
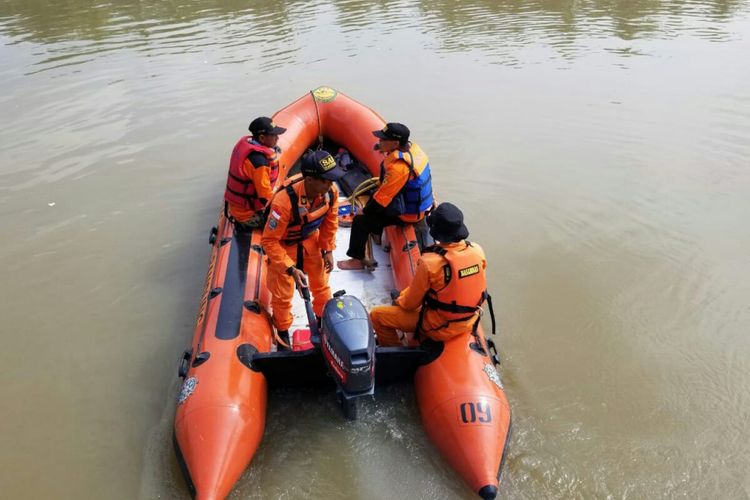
[(253, 169), (448, 290), (404, 195), (300, 236)]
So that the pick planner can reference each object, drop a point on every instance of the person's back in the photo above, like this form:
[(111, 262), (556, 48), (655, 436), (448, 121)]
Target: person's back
[(449, 287), (253, 171), (451, 306)]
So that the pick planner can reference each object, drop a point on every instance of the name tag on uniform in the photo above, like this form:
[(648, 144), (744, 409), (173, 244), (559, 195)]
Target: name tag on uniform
[(468, 271)]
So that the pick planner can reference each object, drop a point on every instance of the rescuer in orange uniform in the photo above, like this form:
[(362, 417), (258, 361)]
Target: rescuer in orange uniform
[(404, 195), (448, 290), (300, 235), (253, 169)]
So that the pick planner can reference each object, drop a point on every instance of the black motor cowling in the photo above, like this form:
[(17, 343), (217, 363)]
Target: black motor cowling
[(348, 344)]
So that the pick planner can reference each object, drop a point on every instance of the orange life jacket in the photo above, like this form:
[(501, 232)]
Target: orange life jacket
[(240, 188), (465, 287), (303, 222)]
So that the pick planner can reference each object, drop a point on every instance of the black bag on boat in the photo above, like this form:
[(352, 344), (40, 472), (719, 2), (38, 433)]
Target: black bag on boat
[(356, 174)]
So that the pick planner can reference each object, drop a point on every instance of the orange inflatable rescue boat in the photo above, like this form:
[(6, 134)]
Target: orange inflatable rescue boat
[(233, 359)]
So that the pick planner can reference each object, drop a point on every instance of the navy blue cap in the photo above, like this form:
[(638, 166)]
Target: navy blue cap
[(322, 165), (447, 223), (393, 132), (263, 125)]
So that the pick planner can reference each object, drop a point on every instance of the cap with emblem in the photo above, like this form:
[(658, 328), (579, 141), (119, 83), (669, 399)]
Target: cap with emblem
[(447, 223), (393, 132), (263, 125), (322, 165)]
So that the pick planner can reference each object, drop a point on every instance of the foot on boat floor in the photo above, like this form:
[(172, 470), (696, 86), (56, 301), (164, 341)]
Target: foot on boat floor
[(350, 264), (373, 289)]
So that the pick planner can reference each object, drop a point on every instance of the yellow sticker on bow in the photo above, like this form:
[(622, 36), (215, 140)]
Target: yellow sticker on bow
[(324, 94)]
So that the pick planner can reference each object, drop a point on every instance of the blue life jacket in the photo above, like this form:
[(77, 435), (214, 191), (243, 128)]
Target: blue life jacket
[(416, 195)]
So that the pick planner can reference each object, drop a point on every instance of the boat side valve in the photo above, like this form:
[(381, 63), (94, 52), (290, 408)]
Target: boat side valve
[(212, 235), (201, 358), (184, 363), (347, 341)]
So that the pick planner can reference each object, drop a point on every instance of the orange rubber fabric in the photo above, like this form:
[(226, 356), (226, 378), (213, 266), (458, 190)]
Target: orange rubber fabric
[(429, 275), (464, 410), (282, 256), (225, 414), (261, 177), (396, 175)]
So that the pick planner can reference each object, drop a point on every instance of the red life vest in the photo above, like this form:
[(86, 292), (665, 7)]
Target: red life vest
[(240, 188), (465, 287), (304, 222)]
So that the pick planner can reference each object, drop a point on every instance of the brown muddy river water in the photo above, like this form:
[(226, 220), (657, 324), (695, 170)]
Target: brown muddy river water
[(599, 149)]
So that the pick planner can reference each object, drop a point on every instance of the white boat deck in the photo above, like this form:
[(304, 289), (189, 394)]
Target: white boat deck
[(372, 289)]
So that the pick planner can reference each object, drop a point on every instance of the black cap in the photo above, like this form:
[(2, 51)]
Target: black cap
[(447, 223), (322, 165), (393, 132), (265, 126)]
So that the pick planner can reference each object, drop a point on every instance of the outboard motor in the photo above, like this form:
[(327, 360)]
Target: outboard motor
[(348, 344)]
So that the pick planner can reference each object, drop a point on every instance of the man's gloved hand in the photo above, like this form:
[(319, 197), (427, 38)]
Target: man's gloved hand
[(395, 294), (257, 220)]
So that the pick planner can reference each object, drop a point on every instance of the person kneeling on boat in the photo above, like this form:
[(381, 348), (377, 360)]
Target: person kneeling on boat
[(448, 290), (405, 191), (299, 237), (253, 169)]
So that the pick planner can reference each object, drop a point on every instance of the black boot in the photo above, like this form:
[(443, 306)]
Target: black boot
[(284, 337)]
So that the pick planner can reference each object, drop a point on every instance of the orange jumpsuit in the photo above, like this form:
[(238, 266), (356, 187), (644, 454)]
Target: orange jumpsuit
[(283, 254), (260, 176), (404, 316)]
